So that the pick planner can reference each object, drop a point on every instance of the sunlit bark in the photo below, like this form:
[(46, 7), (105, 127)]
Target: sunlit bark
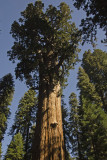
[(49, 142)]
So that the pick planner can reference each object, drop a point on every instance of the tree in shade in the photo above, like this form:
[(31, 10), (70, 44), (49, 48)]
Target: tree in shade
[(6, 95), (96, 16)]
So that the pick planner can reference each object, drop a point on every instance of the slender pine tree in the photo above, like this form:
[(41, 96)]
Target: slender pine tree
[(74, 126), (25, 119)]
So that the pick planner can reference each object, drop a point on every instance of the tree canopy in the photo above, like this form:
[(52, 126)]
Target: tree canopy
[(95, 66), (96, 16), (45, 42)]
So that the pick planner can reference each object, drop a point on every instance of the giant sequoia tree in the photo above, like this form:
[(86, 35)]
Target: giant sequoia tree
[(46, 48)]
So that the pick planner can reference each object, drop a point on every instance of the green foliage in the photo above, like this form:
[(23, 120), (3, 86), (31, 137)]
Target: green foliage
[(15, 149), (93, 131), (26, 111), (6, 90), (92, 110), (24, 119), (88, 119), (87, 88), (96, 15), (6, 95), (88, 128), (95, 65), (46, 43)]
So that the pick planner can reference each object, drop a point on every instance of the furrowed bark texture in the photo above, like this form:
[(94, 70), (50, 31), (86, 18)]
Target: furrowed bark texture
[(49, 142)]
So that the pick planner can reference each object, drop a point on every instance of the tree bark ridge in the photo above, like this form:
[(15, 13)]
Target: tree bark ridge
[(49, 142)]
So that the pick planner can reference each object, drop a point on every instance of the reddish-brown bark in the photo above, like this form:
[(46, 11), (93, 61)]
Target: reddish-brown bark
[(49, 142)]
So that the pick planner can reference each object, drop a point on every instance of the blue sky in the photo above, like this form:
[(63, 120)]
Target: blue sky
[(10, 11)]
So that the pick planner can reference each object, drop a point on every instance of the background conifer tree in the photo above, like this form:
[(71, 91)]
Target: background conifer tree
[(93, 139), (25, 119), (15, 149), (6, 95), (95, 65), (74, 126), (92, 112)]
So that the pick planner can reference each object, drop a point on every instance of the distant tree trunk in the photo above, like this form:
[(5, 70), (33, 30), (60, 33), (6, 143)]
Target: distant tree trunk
[(0, 150), (26, 143), (79, 147), (49, 142)]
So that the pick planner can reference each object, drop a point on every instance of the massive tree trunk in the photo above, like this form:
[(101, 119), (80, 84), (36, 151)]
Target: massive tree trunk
[(49, 142)]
